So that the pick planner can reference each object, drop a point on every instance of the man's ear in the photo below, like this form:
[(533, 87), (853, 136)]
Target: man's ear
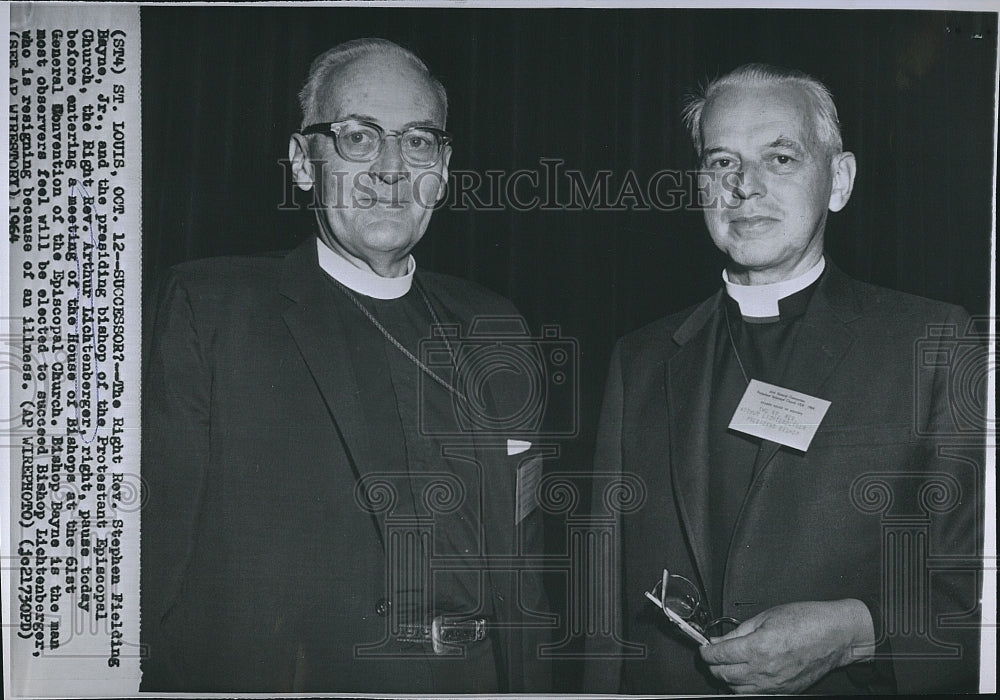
[(302, 167), (844, 169)]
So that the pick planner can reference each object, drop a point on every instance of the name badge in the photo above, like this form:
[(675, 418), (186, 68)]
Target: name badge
[(528, 475), (780, 415)]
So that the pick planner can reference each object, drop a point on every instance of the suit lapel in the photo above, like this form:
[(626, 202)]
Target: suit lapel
[(689, 391), (822, 342), (319, 336)]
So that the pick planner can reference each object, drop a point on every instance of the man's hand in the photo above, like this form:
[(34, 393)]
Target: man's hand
[(789, 647)]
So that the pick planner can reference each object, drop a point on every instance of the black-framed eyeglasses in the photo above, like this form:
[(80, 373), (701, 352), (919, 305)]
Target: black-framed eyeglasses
[(679, 597), (362, 141)]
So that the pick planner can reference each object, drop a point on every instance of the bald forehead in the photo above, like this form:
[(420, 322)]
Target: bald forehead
[(741, 109), (377, 82)]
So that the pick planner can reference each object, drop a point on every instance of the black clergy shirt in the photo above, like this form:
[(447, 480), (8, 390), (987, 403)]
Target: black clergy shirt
[(764, 348)]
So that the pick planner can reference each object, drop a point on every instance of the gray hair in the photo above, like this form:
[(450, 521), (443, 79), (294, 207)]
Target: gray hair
[(327, 63), (757, 74)]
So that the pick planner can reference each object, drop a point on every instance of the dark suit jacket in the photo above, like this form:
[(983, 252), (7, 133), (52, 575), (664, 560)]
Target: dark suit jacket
[(880, 508), (260, 570)]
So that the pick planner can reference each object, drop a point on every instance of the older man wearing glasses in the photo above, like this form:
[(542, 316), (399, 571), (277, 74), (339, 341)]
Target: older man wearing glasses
[(310, 525)]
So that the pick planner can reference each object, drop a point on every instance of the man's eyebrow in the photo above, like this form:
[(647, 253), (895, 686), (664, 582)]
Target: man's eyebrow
[(421, 122), (373, 120), (783, 142), (359, 117), (712, 151)]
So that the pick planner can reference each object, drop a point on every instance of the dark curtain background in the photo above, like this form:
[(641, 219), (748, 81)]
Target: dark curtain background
[(599, 89)]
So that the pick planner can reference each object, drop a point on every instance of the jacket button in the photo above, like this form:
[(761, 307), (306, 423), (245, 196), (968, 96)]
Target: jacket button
[(382, 607)]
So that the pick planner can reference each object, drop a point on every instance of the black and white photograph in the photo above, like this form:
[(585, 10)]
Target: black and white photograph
[(470, 349)]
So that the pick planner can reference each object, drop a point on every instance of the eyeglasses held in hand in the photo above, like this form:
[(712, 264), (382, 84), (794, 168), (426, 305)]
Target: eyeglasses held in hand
[(362, 142), (680, 601)]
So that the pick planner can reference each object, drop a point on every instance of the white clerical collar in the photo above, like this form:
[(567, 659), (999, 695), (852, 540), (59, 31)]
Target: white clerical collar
[(761, 300), (364, 281)]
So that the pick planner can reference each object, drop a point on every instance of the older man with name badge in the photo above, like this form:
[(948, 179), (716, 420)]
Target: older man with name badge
[(807, 527), (328, 492)]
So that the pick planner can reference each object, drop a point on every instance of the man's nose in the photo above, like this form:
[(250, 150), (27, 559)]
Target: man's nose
[(750, 182), (390, 167)]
